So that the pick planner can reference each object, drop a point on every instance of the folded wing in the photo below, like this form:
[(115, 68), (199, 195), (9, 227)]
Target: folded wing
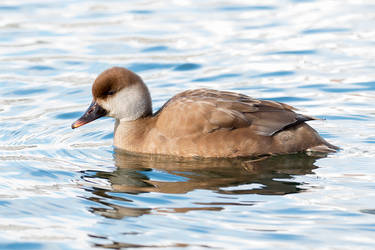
[(206, 111)]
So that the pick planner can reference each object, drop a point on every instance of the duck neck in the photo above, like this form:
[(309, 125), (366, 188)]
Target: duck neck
[(130, 135)]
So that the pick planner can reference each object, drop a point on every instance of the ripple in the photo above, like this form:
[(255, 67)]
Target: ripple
[(347, 117), (36, 52), (155, 49), (248, 8), (21, 245), (73, 62), (368, 211), (187, 66), (287, 99), (368, 85), (274, 74), (68, 115), (217, 77), (294, 52), (40, 68), (139, 67), (109, 48), (141, 12), (313, 86), (324, 30), (29, 91), (341, 90)]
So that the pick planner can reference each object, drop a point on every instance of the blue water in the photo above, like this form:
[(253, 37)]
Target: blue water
[(65, 189)]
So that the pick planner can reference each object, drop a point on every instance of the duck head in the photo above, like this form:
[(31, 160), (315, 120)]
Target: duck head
[(117, 93)]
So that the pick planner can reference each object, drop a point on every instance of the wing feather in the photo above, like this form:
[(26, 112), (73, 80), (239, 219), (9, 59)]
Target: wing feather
[(206, 111)]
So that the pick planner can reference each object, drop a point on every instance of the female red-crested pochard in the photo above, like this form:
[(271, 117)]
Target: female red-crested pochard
[(200, 122)]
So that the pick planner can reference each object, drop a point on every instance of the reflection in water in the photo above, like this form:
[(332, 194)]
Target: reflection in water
[(140, 174)]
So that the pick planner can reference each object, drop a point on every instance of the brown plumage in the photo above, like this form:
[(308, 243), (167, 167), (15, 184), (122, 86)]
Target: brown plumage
[(112, 81), (201, 122)]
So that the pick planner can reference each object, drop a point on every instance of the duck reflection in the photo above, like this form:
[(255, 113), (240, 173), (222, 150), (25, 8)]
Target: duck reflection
[(137, 174)]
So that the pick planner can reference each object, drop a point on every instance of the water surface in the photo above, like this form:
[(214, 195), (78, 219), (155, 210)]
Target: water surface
[(70, 189)]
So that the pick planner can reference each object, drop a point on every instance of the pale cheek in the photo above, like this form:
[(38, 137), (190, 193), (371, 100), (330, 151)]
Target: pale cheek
[(107, 106), (113, 106), (116, 106)]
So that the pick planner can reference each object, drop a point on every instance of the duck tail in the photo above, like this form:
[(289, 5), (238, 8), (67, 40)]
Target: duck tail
[(324, 148)]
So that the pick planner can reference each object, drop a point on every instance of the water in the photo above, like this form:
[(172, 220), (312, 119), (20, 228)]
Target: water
[(68, 189)]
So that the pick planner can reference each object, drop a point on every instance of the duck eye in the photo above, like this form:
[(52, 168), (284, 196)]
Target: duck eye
[(111, 92)]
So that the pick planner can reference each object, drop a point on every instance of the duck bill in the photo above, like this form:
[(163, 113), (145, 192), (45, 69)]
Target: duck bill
[(94, 112)]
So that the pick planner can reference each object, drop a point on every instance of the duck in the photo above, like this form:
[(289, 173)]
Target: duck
[(199, 122)]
